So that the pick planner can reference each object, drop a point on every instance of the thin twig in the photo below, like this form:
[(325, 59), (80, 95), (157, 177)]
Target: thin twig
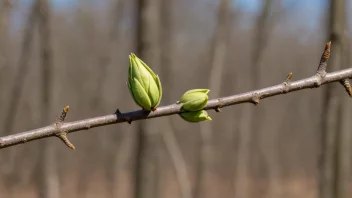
[(324, 60), (248, 97), (63, 114), (346, 84), (63, 134)]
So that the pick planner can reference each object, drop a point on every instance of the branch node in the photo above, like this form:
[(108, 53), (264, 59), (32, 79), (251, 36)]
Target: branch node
[(219, 106), (123, 117), (346, 84), (217, 109), (286, 88), (318, 82), (62, 134), (64, 138), (255, 99)]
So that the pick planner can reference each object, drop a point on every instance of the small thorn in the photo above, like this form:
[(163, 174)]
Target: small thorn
[(346, 84), (154, 109), (255, 99), (118, 112), (217, 109), (120, 116), (64, 138)]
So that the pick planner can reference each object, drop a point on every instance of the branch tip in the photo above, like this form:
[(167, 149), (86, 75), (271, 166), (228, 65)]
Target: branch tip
[(289, 77), (66, 109), (326, 53), (324, 60), (64, 138), (63, 114), (346, 84)]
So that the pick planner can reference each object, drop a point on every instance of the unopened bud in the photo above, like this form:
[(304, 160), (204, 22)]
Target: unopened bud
[(144, 85), (195, 116), (195, 99)]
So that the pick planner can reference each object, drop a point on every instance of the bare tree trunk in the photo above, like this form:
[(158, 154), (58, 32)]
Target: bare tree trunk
[(260, 41), (4, 16), (15, 94), (111, 141), (22, 71), (247, 129), (4, 27), (105, 60), (335, 164), (204, 183), (168, 131), (148, 49), (48, 183)]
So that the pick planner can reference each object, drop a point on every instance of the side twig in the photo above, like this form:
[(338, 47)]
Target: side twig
[(282, 88), (63, 134)]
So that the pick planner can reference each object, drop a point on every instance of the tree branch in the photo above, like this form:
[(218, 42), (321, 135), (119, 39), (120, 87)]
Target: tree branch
[(252, 97)]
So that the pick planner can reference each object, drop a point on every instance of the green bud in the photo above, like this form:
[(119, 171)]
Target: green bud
[(195, 99), (195, 116), (143, 84)]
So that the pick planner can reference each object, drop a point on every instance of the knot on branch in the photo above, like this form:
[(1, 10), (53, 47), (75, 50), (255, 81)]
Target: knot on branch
[(287, 83), (120, 116), (255, 98), (63, 134), (219, 106)]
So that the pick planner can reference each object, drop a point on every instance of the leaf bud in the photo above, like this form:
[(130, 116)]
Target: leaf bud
[(195, 116), (144, 86)]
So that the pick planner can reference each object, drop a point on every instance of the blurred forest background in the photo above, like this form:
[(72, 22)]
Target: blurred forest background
[(75, 52)]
